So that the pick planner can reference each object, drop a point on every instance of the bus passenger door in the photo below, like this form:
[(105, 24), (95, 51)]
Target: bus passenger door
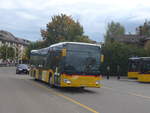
[(56, 63), (57, 77)]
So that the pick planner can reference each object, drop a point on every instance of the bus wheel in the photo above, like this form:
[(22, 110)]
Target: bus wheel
[(81, 88), (35, 79)]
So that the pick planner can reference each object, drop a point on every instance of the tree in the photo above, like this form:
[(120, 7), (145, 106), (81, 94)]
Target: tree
[(144, 29), (117, 54), (113, 29), (63, 28), (10, 53), (32, 46), (3, 52), (7, 52)]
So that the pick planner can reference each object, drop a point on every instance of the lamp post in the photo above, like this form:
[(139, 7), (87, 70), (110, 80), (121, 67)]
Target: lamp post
[(118, 72), (108, 72)]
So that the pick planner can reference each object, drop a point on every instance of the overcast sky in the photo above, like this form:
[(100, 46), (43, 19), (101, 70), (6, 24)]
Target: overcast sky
[(25, 18)]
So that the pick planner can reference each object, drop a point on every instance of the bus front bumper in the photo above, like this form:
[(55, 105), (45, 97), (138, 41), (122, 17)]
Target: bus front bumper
[(80, 81), (144, 78), (132, 74)]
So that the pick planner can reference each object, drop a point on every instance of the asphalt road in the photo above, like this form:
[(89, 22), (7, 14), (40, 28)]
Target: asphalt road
[(21, 94)]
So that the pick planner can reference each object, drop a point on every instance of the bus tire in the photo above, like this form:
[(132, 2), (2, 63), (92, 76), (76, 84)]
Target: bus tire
[(35, 79), (81, 88)]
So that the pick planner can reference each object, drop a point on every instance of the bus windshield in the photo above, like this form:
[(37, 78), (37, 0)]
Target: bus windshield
[(133, 66), (85, 62), (145, 67)]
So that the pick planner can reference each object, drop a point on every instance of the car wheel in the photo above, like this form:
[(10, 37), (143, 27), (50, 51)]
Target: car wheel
[(17, 72)]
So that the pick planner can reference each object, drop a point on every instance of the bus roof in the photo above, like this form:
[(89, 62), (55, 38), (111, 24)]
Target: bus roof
[(61, 44), (134, 58), (145, 58), (79, 43), (140, 58), (34, 51)]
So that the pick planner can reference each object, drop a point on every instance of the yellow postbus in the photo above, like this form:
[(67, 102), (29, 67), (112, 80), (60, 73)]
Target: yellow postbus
[(67, 64), (144, 70), (133, 67)]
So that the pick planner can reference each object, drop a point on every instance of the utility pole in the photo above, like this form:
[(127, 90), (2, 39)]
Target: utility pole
[(108, 72), (118, 72)]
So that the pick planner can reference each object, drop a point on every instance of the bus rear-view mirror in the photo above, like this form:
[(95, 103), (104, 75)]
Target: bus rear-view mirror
[(64, 52)]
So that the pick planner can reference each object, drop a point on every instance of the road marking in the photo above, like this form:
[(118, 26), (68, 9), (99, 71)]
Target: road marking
[(130, 93), (110, 88), (67, 98), (139, 95)]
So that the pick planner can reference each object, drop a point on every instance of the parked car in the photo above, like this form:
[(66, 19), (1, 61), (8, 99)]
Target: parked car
[(22, 68)]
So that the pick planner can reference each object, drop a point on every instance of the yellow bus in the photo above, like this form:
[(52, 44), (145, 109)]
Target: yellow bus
[(133, 67), (144, 70), (67, 64)]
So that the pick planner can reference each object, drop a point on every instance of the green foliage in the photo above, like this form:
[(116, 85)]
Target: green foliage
[(144, 29), (63, 28), (10, 53), (117, 54), (83, 39), (32, 46), (7, 52), (113, 29)]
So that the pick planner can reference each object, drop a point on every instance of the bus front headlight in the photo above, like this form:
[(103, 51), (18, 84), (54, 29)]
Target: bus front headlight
[(97, 82), (67, 81)]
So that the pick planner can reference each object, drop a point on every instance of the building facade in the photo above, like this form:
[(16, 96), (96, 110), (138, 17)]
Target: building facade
[(18, 44), (131, 39)]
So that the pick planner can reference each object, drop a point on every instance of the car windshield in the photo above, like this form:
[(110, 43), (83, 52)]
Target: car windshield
[(24, 66)]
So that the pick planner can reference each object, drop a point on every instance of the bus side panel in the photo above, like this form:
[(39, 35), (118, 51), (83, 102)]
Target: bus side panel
[(37, 74), (80, 81), (47, 77), (44, 74), (132, 74), (32, 72), (144, 78)]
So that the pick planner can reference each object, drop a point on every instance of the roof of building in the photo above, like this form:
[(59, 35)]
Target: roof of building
[(131, 38), (128, 38), (7, 36)]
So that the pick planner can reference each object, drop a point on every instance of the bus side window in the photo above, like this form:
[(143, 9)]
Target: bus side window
[(56, 58), (49, 59), (53, 59)]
